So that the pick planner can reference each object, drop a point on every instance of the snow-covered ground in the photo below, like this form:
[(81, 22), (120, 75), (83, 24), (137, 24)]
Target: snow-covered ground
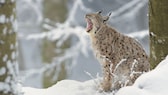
[(154, 82)]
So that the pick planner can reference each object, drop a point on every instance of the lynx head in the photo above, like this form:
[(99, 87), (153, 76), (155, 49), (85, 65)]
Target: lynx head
[(95, 21)]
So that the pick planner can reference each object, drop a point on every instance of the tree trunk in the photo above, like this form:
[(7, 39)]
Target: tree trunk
[(8, 67), (158, 27), (55, 11)]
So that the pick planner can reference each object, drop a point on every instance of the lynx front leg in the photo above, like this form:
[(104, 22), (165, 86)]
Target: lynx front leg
[(107, 77)]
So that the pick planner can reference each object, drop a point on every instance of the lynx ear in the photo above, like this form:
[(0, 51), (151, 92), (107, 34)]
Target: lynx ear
[(99, 12), (105, 18)]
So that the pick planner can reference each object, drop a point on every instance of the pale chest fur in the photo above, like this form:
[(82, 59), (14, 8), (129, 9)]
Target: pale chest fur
[(102, 43)]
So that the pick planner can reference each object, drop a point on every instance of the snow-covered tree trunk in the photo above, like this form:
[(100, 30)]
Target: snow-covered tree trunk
[(158, 26), (8, 67), (54, 11)]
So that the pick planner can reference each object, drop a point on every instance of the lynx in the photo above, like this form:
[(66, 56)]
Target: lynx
[(122, 58)]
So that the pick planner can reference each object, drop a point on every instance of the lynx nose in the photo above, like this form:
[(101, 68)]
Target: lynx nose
[(87, 16)]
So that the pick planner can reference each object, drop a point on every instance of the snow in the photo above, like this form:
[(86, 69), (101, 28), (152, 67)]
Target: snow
[(12, 46), (12, 17), (2, 1), (2, 18), (4, 31), (67, 87), (4, 87), (5, 58), (15, 25), (2, 71), (13, 55), (11, 81), (154, 82), (13, 0), (1, 42)]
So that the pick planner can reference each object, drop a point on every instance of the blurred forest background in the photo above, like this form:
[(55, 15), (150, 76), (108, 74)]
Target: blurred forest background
[(52, 41)]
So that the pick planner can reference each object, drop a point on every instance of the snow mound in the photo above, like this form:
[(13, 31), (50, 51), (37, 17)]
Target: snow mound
[(154, 82), (32, 91), (71, 87), (68, 87)]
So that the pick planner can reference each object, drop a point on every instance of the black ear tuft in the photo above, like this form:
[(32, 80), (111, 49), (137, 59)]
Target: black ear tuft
[(99, 12), (109, 14), (106, 18)]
